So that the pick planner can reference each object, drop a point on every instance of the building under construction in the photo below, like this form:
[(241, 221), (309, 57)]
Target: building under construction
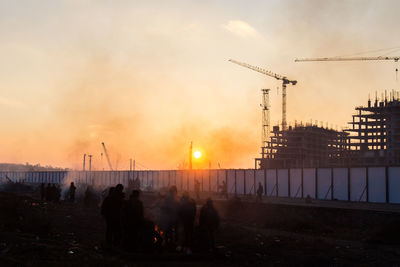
[(373, 139)]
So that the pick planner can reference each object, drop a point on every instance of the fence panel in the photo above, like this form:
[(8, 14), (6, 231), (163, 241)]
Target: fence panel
[(283, 182), (376, 184), (272, 183), (251, 186), (309, 182), (230, 181), (295, 183), (358, 184), (214, 180), (324, 183), (394, 184), (240, 182)]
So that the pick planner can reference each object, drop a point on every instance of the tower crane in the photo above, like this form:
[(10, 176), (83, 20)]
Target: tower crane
[(108, 158), (394, 58), (284, 80)]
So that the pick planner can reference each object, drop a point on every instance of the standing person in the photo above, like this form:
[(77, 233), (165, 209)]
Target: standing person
[(169, 215), (187, 214), (111, 209), (42, 191), (197, 188), (72, 190), (134, 218), (209, 222), (260, 191)]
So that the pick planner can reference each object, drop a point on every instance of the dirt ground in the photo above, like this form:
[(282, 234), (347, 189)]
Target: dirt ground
[(36, 233)]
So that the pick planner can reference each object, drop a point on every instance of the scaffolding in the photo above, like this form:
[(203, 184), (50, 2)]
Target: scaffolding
[(304, 146)]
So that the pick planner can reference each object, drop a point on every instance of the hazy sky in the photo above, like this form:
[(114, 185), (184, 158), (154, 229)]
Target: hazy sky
[(148, 77)]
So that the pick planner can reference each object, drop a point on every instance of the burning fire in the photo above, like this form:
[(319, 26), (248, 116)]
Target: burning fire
[(158, 233)]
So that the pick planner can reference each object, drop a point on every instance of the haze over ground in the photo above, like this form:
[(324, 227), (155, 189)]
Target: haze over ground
[(148, 77)]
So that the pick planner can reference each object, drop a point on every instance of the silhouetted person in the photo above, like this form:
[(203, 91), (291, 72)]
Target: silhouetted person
[(42, 191), (169, 214), (72, 189), (187, 214), (260, 191), (134, 217), (209, 222), (57, 193), (197, 188), (48, 192), (111, 209), (54, 192)]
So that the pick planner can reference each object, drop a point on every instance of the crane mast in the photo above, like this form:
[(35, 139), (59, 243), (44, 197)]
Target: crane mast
[(108, 158), (284, 79)]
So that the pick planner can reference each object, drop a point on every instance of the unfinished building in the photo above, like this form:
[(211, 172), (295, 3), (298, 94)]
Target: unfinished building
[(375, 133), (373, 139), (304, 146)]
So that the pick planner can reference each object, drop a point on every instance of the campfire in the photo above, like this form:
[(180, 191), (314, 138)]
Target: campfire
[(158, 233)]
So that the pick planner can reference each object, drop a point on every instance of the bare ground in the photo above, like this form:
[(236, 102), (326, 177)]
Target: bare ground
[(35, 233)]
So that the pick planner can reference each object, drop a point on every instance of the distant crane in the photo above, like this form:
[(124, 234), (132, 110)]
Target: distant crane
[(284, 80), (108, 158), (394, 58)]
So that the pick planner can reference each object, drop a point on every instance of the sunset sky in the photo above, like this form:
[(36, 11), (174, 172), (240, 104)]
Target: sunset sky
[(148, 77)]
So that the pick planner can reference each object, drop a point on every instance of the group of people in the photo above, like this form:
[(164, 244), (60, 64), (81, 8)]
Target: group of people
[(128, 228), (177, 219), (50, 193)]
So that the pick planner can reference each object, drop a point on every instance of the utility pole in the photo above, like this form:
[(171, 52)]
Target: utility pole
[(190, 155), (134, 164), (130, 164), (84, 161), (90, 162)]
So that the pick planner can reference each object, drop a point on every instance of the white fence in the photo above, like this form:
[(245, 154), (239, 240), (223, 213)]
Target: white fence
[(372, 184)]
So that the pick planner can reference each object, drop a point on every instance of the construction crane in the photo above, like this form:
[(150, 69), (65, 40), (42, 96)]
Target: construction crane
[(108, 158), (395, 59), (284, 80)]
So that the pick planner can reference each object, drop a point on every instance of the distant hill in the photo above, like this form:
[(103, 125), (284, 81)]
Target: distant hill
[(11, 167)]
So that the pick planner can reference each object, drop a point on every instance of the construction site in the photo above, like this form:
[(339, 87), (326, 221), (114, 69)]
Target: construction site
[(372, 137), (371, 140)]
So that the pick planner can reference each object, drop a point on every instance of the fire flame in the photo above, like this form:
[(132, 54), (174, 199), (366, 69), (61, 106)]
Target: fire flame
[(159, 231)]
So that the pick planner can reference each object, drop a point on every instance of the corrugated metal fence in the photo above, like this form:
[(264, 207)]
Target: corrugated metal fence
[(372, 184)]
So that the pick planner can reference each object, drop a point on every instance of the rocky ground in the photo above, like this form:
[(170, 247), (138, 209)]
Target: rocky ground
[(36, 233)]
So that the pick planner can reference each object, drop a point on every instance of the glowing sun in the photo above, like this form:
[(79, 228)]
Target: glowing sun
[(197, 154)]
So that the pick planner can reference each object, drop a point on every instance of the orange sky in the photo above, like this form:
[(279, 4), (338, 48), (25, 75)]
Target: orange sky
[(148, 77)]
